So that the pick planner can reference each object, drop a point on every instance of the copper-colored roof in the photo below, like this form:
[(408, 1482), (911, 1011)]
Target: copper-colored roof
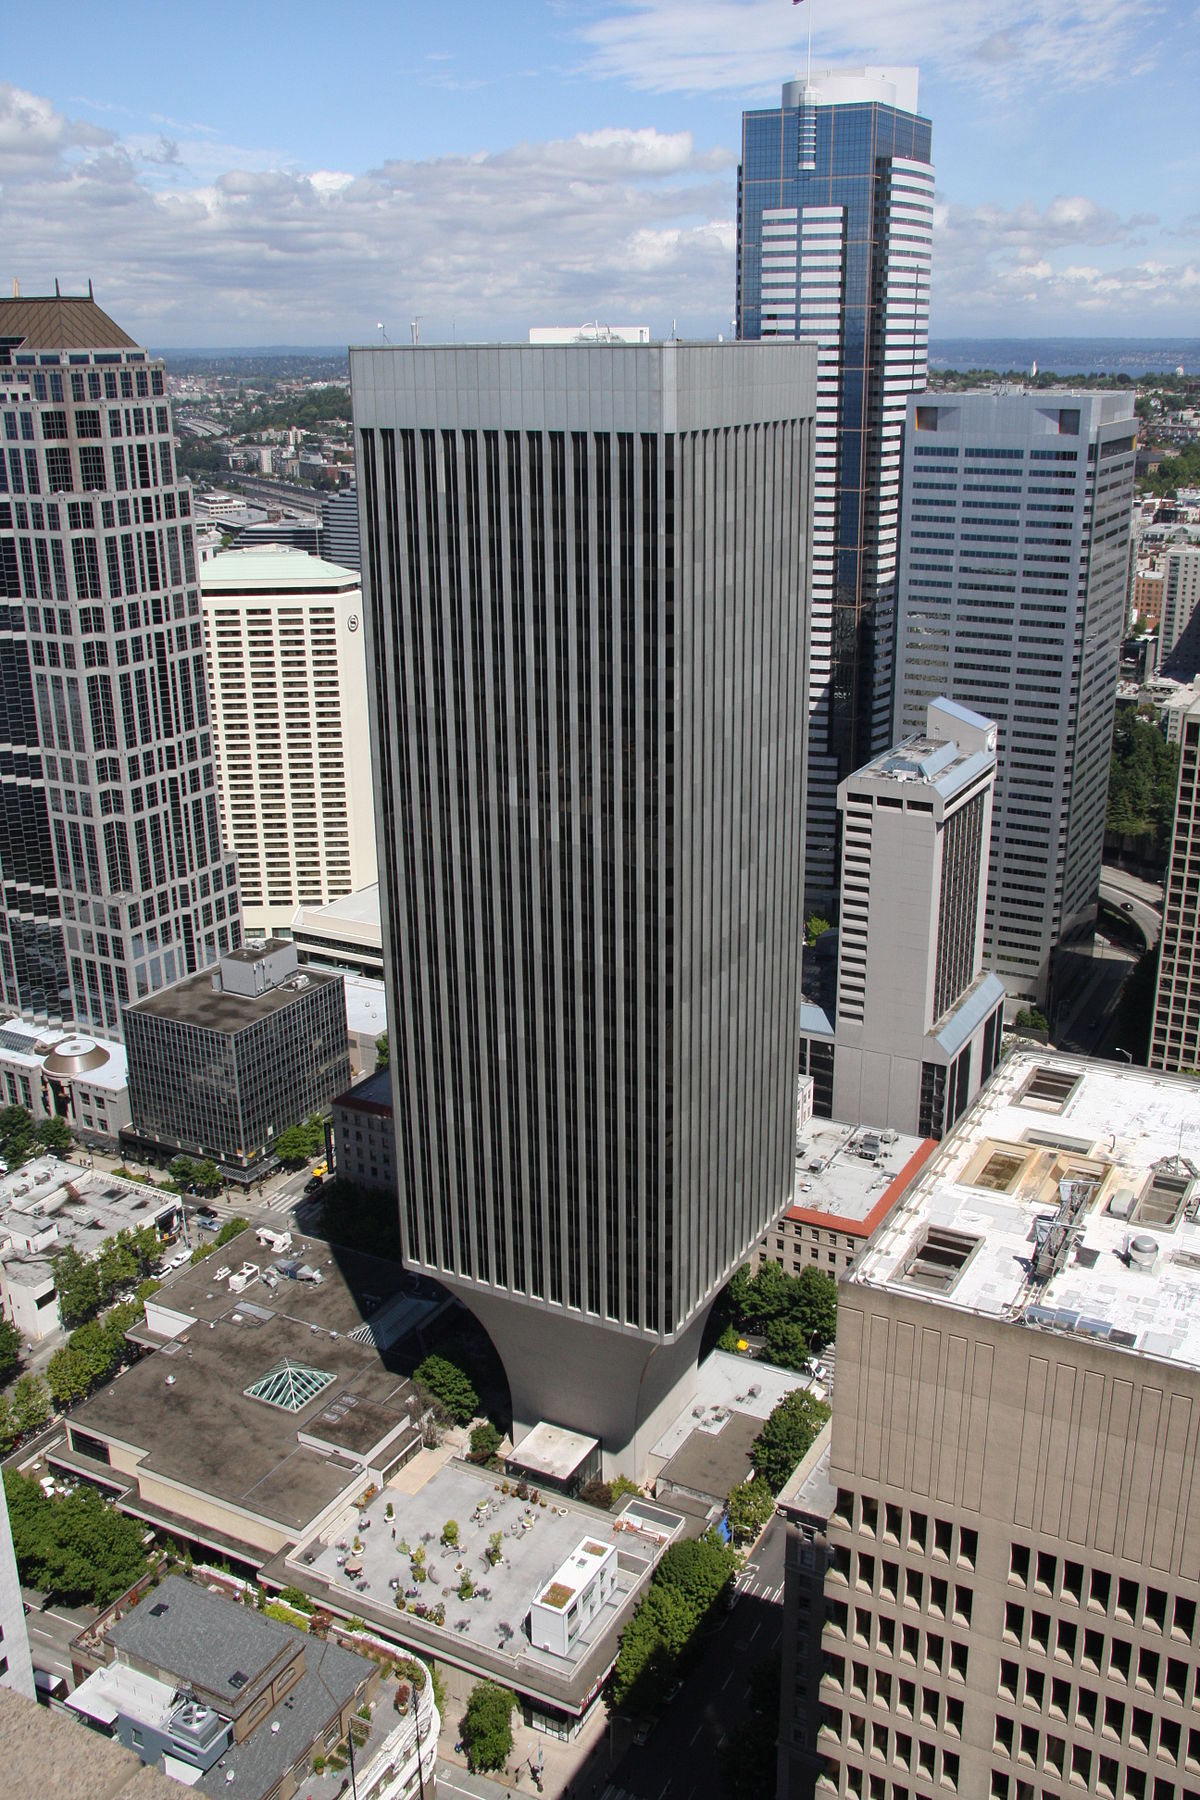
[(61, 322)]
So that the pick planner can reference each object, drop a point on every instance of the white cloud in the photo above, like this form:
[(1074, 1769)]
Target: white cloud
[(623, 222), (741, 46)]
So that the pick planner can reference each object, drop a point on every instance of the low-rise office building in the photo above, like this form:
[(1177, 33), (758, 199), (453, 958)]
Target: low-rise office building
[(48, 1206), (58, 1074), (848, 1177), (346, 934), (266, 1404), (364, 1133), (220, 1064)]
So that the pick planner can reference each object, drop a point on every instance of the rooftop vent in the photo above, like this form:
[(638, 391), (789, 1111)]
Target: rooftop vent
[(939, 1259)]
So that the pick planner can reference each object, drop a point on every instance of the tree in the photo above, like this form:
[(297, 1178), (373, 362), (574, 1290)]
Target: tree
[(17, 1139), (485, 1441), (10, 1350), (815, 926), (206, 1177), (291, 1146), (748, 1758), (487, 1726), (53, 1134), (78, 1285), (450, 1386), (787, 1436), (182, 1173), (450, 1533), (230, 1229), (682, 1592), (383, 1055), (1031, 1018), (77, 1547), (814, 1306), (117, 1264), (30, 1405), (748, 1508)]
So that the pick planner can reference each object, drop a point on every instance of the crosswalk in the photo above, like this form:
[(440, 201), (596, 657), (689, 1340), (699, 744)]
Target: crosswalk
[(752, 1582)]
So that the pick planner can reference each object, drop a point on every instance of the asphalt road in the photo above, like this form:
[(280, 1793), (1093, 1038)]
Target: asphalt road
[(1140, 901), (680, 1760), (50, 1635)]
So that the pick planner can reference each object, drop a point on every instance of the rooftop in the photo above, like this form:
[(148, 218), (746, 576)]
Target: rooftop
[(373, 1093), (204, 1640), (273, 568), (186, 1404), (726, 1384), (835, 1183), (359, 908), (552, 1451), (1068, 1199), (61, 322), (47, 1204), (63, 1053), (195, 1001), (957, 747)]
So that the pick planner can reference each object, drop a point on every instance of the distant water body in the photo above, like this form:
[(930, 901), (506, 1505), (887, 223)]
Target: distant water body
[(1068, 355)]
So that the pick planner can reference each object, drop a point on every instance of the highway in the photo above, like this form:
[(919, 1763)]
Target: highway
[(1140, 901)]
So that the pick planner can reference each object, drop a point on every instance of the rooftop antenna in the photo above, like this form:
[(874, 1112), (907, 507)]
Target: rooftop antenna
[(811, 9), (415, 328), (383, 334)]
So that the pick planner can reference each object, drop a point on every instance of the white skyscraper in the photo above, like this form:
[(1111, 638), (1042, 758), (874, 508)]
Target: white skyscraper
[(289, 702), (1181, 591), (835, 233), (1014, 542)]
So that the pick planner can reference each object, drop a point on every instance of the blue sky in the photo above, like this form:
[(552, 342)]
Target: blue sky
[(292, 174)]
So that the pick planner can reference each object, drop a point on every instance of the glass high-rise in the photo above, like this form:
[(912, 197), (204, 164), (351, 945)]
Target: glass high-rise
[(585, 573), (835, 231), (116, 881)]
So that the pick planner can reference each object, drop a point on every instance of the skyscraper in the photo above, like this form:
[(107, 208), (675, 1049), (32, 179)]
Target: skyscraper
[(1011, 1593), (115, 878), (586, 580), (918, 1018), (1175, 1039), (835, 232), (289, 702), (339, 529), (16, 1670), (1181, 594), (1014, 547)]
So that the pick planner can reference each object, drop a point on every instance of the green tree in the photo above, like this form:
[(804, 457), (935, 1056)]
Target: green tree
[(78, 1283), (30, 1405), (10, 1350), (748, 1508), (230, 1229), (77, 1547), (383, 1055), (815, 926), (814, 1306), (117, 1264), (487, 1726), (1031, 1018), (17, 1141), (450, 1386), (53, 1134), (683, 1591), (291, 1146), (8, 1429), (786, 1437), (182, 1172), (206, 1177), (485, 1442)]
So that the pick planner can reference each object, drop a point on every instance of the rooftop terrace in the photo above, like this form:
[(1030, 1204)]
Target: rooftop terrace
[(1067, 1198)]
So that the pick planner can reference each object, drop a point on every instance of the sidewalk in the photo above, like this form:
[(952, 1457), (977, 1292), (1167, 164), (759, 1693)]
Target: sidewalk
[(569, 1771)]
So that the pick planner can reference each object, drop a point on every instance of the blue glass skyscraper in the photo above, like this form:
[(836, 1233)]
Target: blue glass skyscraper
[(835, 227)]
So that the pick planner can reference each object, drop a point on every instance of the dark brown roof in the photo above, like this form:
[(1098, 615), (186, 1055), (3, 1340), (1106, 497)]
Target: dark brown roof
[(61, 322)]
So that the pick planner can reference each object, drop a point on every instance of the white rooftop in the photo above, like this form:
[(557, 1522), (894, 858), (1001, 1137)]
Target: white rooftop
[(359, 908), (47, 1204), (835, 1179), (269, 567), (117, 1690), (585, 1561), (366, 1005), (553, 1451), (1068, 1198), (726, 1383)]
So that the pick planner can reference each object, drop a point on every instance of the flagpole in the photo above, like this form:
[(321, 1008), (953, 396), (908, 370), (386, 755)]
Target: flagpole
[(808, 77)]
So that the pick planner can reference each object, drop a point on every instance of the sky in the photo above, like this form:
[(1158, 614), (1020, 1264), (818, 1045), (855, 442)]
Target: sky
[(262, 173)]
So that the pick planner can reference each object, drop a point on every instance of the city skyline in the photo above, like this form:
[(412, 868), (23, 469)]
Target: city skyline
[(555, 163)]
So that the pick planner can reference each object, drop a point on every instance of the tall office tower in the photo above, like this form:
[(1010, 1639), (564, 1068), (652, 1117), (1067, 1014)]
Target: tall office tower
[(116, 881), (1175, 1039), (1011, 1596), (288, 669), (586, 581), (919, 1020), (16, 1669), (1014, 542), (835, 232), (339, 530), (1181, 591)]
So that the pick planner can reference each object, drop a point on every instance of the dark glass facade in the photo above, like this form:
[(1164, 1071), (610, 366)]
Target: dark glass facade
[(589, 716), (817, 185)]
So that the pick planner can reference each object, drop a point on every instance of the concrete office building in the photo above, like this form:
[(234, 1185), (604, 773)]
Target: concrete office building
[(919, 1019), (1015, 540), (835, 233), (589, 712), (339, 530), (289, 705), (16, 1669), (219, 1065), (116, 880), (1011, 1594), (346, 934), (364, 1134), (1175, 1038), (1181, 591)]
